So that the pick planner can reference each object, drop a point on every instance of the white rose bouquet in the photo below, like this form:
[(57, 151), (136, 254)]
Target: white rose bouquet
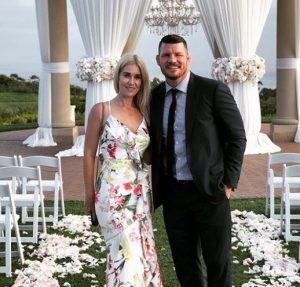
[(238, 69), (96, 69)]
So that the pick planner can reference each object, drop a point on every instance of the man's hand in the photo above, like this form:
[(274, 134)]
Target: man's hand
[(228, 190)]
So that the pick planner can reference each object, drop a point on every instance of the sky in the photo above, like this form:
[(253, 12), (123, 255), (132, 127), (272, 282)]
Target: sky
[(20, 53)]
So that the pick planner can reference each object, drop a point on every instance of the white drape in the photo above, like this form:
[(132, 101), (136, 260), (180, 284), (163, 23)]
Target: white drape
[(236, 27), (43, 134), (104, 27), (297, 43), (137, 27)]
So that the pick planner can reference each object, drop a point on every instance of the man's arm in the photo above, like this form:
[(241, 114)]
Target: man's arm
[(232, 126)]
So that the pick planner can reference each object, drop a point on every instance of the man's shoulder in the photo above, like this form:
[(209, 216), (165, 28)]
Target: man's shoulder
[(204, 80), (201, 84)]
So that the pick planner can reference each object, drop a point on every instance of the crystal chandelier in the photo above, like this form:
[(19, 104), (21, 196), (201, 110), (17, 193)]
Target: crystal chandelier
[(172, 16)]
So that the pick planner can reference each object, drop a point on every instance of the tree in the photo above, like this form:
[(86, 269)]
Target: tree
[(34, 78), (16, 77), (155, 82)]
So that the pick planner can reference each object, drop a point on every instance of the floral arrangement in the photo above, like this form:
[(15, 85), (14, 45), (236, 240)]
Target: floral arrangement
[(96, 69), (238, 69)]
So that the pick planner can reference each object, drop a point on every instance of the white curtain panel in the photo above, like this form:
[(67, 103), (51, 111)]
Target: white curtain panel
[(104, 26), (207, 20), (137, 27), (236, 27), (297, 43), (43, 135)]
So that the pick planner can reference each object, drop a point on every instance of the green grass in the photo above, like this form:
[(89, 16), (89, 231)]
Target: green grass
[(17, 108), (19, 111), (17, 127), (18, 97), (164, 255)]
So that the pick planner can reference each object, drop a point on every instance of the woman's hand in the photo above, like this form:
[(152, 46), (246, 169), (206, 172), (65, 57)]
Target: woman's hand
[(89, 204)]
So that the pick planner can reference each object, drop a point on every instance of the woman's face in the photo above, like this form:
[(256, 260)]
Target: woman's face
[(130, 80)]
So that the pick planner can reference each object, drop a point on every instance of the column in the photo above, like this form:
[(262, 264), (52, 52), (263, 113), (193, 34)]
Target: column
[(284, 125), (62, 123)]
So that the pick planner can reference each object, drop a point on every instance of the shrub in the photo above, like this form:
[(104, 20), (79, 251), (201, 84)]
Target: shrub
[(18, 120), (77, 91), (16, 84), (79, 102), (30, 117), (79, 118), (6, 114), (268, 103)]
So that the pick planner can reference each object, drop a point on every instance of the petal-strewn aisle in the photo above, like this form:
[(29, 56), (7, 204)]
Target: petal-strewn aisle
[(268, 261), (256, 237), (70, 252)]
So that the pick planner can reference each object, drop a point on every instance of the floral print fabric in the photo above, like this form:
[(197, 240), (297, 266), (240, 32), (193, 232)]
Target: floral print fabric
[(123, 206)]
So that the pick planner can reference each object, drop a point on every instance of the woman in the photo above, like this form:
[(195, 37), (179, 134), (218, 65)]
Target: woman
[(121, 196)]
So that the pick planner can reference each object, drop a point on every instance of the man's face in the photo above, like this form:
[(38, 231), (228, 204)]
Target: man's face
[(174, 62)]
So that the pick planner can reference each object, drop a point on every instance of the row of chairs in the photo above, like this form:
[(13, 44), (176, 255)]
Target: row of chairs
[(8, 222), (21, 179), (51, 181), (284, 175)]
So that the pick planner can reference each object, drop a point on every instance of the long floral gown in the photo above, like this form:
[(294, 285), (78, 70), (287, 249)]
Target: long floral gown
[(123, 207)]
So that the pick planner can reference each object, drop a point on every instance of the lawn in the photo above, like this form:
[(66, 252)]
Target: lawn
[(18, 97), (94, 276), (19, 111)]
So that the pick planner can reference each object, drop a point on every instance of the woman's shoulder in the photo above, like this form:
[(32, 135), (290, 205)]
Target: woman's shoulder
[(100, 105), (100, 110)]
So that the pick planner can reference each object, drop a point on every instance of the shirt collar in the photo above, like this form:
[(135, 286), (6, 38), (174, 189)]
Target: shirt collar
[(182, 86)]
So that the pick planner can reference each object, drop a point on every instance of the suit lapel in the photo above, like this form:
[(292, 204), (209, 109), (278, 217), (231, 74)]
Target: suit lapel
[(191, 105)]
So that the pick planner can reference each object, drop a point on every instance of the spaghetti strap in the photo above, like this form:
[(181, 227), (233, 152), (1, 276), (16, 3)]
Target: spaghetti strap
[(109, 111)]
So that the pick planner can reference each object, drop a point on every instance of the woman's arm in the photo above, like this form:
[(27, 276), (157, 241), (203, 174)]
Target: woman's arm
[(90, 149)]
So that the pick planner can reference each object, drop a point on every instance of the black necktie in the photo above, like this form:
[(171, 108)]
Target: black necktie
[(170, 135)]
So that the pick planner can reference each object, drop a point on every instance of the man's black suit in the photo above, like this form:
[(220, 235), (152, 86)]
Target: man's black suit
[(215, 144)]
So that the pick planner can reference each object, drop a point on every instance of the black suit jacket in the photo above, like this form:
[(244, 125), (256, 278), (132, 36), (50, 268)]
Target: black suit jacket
[(215, 138)]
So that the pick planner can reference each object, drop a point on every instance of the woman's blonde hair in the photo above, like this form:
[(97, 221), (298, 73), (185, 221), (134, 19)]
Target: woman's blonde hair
[(142, 98)]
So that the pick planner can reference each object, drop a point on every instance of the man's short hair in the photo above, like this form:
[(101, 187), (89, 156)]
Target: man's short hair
[(172, 39)]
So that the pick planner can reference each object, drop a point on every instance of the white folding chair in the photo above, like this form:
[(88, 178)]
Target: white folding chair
[(9, 161), (8, 221), (25, 199), (274, 181), (51, 166), (290, 198)]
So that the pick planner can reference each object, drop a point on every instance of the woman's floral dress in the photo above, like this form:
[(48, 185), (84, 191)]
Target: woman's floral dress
[(123, 207)]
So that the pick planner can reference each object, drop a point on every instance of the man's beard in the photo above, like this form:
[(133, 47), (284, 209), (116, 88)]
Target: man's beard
[(174, 77)]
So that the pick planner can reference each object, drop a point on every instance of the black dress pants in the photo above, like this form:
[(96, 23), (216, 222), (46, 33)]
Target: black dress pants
[(194, 227)]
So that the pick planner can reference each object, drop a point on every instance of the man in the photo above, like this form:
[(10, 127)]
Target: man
[(196, 164)]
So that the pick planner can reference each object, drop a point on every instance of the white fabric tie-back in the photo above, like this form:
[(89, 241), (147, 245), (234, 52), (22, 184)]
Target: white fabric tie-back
[(293, 64), (288, 63), (57, 67)]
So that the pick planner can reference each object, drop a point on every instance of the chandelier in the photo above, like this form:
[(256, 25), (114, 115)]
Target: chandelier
[(172, 17)]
